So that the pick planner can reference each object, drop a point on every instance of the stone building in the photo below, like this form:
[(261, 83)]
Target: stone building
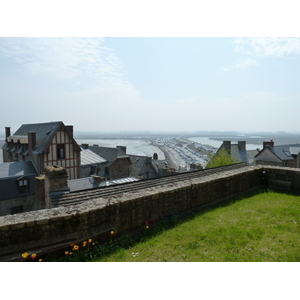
[(44, 144), (113, 163), (281, 155), (17, 187), (239, 151)]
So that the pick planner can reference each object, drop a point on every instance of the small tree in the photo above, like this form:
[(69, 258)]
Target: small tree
[(222, 158)]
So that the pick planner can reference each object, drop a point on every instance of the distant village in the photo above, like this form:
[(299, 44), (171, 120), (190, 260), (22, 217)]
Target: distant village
[(35, 148)]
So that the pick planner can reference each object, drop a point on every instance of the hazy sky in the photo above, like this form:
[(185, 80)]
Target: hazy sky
[(156, 84)]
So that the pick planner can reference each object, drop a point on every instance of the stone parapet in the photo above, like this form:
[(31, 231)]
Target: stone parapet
[(127, 212)]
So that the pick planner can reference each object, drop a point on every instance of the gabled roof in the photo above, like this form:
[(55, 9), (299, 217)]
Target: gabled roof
[(240, 155), (283, 152), (109, 154), (44, 133), (89, 157), (142, 164), (19, 168)]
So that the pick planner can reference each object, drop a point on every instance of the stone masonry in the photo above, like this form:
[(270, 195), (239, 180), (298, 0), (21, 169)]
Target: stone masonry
[(127, 212)]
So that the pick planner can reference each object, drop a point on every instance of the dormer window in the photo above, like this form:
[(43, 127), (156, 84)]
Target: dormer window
[(23, 185)]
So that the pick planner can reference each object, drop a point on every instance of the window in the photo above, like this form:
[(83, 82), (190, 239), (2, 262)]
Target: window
[(60, 151), (23, 185), (16, 210)]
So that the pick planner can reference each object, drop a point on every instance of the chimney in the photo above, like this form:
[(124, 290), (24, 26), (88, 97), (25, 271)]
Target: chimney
[(123, 148), (7, 132), (31, 142), (242, 146), (97, 179), (85, 146), (270, 143), (56, 182), (70, 129), (227, 146)]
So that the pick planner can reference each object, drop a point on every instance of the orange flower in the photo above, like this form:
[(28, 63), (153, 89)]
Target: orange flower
[(75, 247), (147, 227), (112, 232), (90, 240), (66, 252), (33, 256), (84, 243), (24, 255)]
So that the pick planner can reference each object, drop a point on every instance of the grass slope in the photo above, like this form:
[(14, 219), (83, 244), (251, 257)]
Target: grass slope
[(261, 228)]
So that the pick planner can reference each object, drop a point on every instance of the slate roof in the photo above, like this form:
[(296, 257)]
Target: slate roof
[(19, 168), (246, 157), (88, 157), (88, 183), (9, 174), (44, 134), (109, 154), (139, 166), (284, 152), (241, 156)]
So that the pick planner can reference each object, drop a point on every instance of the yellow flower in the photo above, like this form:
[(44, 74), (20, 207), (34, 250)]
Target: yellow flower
[(84, 243), (33, 256), (75, 247), (66, 252), (112, 232), (40, 260), (24, 255), (90, 240)]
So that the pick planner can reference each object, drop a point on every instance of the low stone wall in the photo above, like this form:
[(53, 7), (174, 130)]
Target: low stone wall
[(37, 230)]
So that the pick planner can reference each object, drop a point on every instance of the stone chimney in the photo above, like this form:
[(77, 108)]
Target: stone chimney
[(70, 129), (40, 190), (85, 146), (56, 182), (227, 146), (269, 143), (97, 179), (242, 146), (31, 142), (123, 148), (7, 132)]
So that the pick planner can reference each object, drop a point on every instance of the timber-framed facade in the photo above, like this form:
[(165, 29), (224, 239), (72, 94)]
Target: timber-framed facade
[(46, 144)]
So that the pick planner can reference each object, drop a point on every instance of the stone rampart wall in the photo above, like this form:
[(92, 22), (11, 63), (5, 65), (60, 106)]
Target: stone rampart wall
[(37, 230)]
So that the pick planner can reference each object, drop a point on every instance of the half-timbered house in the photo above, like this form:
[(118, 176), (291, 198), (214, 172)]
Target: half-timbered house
[(45, 144)]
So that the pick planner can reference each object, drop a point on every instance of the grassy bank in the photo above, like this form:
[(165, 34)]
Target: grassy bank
[(263, 227)]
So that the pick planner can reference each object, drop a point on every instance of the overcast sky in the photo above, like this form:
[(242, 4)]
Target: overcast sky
[(151, 83)]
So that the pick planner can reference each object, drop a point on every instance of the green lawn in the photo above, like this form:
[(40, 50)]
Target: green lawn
[(259, 228)]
